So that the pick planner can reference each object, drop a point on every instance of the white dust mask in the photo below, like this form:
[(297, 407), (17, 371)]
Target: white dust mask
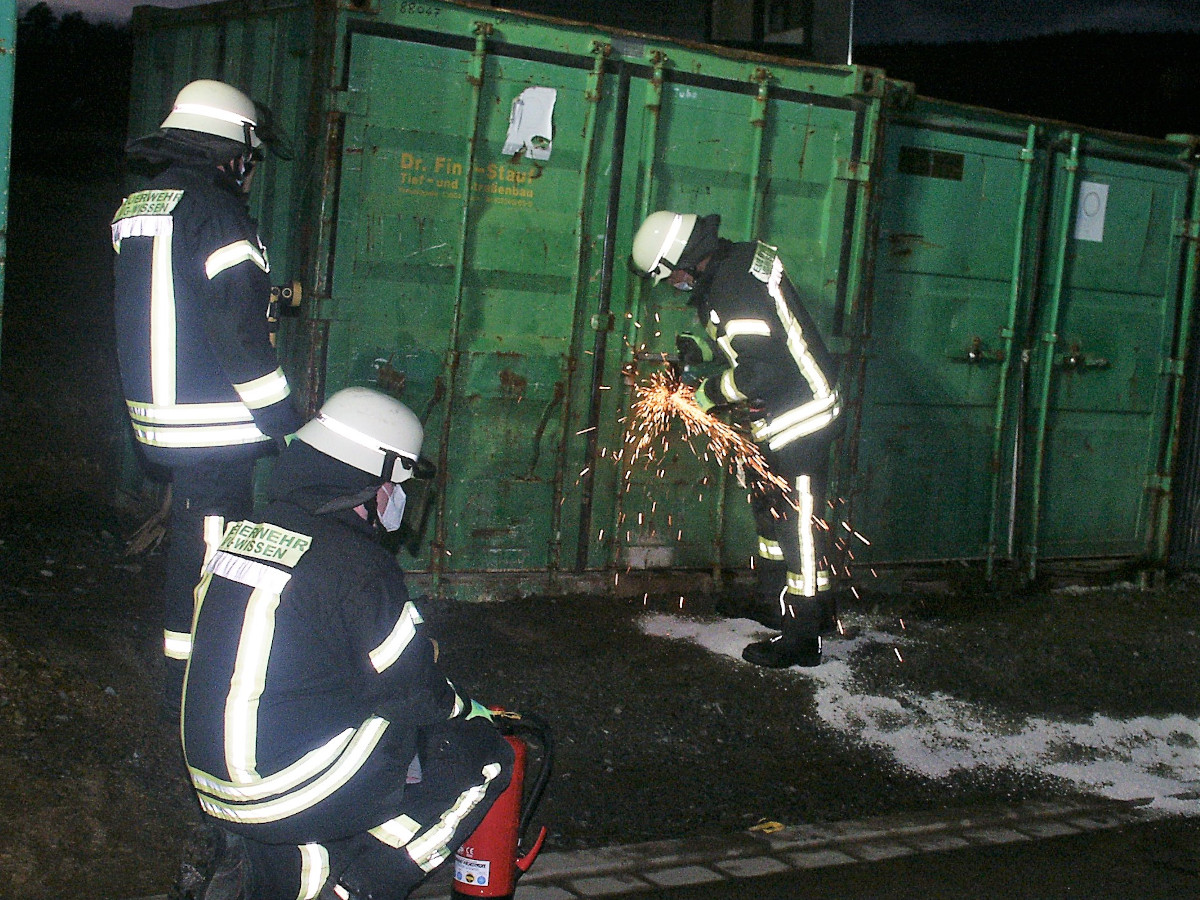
[(394, 511)]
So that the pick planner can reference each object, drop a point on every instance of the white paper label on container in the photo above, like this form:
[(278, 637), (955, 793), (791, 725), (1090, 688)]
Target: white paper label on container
[(531, 123), (1089, 215)]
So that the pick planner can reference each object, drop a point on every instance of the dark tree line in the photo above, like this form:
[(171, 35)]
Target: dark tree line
[(1138, 83), (71, 97), (73, 80)]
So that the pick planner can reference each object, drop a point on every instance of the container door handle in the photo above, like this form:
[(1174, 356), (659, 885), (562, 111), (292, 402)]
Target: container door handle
[(1075, 360), (976, 354)]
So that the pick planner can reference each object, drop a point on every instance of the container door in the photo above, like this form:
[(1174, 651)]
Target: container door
[(949, 231), (1107, 327), (481, 182), (778, 169), (456, 279)]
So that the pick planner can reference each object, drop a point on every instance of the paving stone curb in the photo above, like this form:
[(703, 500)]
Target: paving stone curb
[(630, 869), (627, 870)]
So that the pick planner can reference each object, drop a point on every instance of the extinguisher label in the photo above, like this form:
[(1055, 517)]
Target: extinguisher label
[(472, 871)]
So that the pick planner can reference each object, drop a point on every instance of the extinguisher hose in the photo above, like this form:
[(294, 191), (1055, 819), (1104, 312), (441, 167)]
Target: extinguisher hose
[(536, 726)]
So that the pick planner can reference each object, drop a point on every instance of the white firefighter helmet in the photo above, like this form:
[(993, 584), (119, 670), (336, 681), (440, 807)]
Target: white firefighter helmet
[(213, 107), (369, 431), (659, 243)]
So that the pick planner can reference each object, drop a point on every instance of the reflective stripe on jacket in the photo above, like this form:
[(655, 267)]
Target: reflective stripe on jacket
[(199, 372)]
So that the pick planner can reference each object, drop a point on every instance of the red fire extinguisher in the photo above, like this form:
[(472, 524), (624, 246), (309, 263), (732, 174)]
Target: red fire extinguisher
[(491, 860)]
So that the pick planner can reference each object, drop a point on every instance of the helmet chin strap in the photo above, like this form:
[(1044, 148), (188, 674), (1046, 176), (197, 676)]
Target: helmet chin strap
[(372, 508), (388, 469), (240, 168)]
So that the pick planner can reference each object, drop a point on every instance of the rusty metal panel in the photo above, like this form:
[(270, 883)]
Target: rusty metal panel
[(455, 279), (467, 277)]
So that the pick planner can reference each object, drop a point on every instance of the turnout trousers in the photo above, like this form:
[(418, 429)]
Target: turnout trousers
[(463, 767), (204, 497), (793, 563)]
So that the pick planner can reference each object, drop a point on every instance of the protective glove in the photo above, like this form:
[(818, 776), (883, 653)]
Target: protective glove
[(693, 349), (691, 376), (695, 374), (479, 711), (747, 411)]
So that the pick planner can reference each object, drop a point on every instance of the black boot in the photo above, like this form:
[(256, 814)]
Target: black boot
[(781, 652), (828, 606), (799, 644)]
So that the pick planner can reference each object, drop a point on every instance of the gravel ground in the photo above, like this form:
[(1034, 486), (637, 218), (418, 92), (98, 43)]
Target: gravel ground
[(656, 738)]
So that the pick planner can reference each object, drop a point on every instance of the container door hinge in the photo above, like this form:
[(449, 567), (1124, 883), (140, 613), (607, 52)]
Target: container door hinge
[(1158, 484), (853, 170), (1172, 367), (1188, 229), (349, 103)]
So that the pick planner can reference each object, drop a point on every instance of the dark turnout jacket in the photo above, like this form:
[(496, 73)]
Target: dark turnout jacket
[(312, 683), (776, 358), (200, 374)]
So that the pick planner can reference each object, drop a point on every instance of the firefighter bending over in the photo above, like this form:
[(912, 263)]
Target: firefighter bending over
[(202, 386), (319, 733), (775, 373)]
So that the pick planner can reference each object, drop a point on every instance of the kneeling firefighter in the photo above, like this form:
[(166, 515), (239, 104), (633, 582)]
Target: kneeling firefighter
[(774, 373), (320, 736)]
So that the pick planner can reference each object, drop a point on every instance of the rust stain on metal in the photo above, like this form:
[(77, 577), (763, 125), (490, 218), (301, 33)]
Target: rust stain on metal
[(492, 532), (903, 244), (512, 385), (392, 380)]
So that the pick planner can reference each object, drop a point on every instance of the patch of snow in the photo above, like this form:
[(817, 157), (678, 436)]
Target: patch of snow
[(1156, 759), (1080, 590)]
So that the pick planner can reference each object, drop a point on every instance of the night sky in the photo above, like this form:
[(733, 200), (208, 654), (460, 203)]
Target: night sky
[(887, 21)]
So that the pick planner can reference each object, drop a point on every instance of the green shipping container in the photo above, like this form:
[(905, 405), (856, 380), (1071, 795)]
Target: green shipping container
[(1023, 358), (1006, 295)]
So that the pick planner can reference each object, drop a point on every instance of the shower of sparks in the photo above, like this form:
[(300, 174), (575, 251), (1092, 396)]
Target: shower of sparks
[(661, 399)]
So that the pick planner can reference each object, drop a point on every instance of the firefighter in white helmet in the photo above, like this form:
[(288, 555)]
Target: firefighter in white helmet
[(763, 359), (330, 755), (203, 388)]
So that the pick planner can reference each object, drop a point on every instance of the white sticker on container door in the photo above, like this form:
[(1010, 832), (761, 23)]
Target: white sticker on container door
[(1089, 215), (531, 123)]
